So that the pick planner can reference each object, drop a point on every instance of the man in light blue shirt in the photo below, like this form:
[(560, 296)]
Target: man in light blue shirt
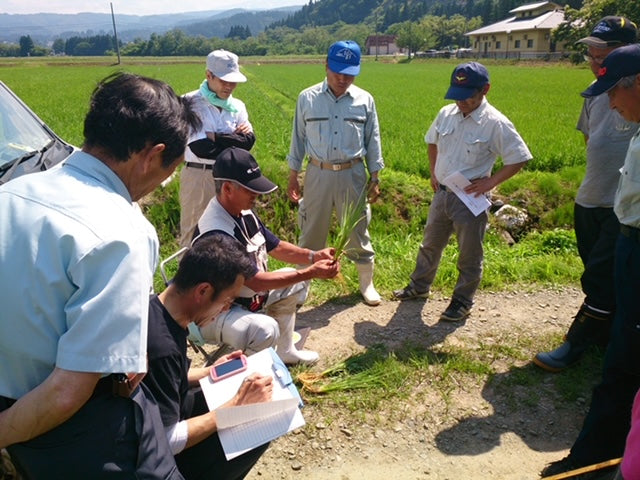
[(77, 259), (336, 126)]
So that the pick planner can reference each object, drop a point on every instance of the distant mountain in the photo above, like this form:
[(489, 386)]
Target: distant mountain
[(46, 27), (256, 21), (387, 12)]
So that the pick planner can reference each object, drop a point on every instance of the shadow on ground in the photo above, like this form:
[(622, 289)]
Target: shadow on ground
[(544, 410)]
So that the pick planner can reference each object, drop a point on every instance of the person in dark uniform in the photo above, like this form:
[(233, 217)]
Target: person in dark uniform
[(209, 277), (608, 421), (607, 136)]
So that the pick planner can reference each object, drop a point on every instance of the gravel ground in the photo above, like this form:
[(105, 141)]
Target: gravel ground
[(479, 432), (475, 430)]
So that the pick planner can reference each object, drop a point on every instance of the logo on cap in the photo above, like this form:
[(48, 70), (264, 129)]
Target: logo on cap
[(603, 27), (602, 72), (461, 79), (346, 54)]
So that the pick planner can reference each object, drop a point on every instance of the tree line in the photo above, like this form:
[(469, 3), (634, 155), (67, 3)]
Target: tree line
[(385, 13), (75, 46), (427, 32)]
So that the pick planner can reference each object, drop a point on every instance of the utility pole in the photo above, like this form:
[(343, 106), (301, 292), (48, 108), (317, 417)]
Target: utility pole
[(375, 28), (115, 33)]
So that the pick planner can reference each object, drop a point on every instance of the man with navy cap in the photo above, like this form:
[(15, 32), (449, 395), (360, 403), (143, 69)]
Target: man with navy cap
[(264, 313), (336, 127), (466, 138), (225, 123), (607, 136), (606, 426)]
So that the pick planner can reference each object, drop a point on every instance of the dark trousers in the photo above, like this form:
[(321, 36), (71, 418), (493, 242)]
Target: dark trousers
[(596, 234), (109, 438), (206, 459), (607, 424)]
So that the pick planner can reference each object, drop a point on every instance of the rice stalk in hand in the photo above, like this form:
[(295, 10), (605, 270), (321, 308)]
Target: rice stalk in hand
[(352, 215)]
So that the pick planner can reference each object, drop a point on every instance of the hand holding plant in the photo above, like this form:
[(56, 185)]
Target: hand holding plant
[(324, 254)]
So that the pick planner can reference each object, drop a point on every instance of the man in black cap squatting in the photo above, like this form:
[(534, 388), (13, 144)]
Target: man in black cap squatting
[(466, 138), (239, 182)]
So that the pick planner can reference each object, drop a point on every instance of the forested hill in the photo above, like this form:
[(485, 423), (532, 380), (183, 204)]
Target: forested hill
[(384, 13)]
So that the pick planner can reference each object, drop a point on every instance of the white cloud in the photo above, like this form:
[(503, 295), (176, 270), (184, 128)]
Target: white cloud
[(138, 7)]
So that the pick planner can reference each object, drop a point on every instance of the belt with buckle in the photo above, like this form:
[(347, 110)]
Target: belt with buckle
[(630, 232), (201, 166), (336, 167)]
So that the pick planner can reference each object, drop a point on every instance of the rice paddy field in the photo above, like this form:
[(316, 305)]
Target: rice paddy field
[(542, 100)]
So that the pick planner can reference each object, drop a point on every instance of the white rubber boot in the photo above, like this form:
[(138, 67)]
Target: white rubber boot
[(286, 348), (368, 291)]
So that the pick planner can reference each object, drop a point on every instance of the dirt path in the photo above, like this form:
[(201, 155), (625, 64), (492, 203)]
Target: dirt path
[(479, 432)]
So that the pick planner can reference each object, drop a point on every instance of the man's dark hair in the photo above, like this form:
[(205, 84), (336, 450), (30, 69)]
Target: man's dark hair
[(128, 112), (217, 259)]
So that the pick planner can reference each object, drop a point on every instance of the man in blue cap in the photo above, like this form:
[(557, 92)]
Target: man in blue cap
[(607, 424), (465, 139), (336, 127)]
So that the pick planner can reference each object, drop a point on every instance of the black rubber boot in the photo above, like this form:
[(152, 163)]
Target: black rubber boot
[(588, 328)]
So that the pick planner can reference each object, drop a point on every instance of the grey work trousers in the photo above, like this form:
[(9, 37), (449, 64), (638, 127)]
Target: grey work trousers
[(197, 188), (324, 191), (253, 331), (447, 215)]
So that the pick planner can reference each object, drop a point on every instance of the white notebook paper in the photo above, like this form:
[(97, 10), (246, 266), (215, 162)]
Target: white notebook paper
[(248, 426)]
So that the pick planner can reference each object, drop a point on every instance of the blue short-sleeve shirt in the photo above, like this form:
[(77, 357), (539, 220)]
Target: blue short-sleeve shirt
[(76, 264)]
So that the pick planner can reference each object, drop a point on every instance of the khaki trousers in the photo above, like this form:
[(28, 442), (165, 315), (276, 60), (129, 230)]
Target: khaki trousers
[(197, 188), (324, 192)]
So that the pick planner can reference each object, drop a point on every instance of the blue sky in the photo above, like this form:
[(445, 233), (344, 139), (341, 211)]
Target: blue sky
[(138, 7)]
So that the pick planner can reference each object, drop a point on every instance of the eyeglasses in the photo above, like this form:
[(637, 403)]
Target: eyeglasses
[(594, 58)]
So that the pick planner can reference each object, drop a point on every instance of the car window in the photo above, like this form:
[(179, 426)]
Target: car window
[(20, 132)]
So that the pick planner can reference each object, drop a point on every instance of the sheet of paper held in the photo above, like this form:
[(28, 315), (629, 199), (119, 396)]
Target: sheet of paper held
[(232, 417), (265, 425), (456, 183)]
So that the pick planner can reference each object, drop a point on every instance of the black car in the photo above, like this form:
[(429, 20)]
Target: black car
[(27, 144)]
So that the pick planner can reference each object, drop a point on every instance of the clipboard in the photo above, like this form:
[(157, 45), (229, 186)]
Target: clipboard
[(247, 426)]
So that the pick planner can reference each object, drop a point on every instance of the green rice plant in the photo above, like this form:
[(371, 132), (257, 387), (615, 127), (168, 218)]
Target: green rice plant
[(354, 212), (376, 375)]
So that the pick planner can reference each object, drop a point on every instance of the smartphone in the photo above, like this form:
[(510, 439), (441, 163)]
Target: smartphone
[(228, 368)]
